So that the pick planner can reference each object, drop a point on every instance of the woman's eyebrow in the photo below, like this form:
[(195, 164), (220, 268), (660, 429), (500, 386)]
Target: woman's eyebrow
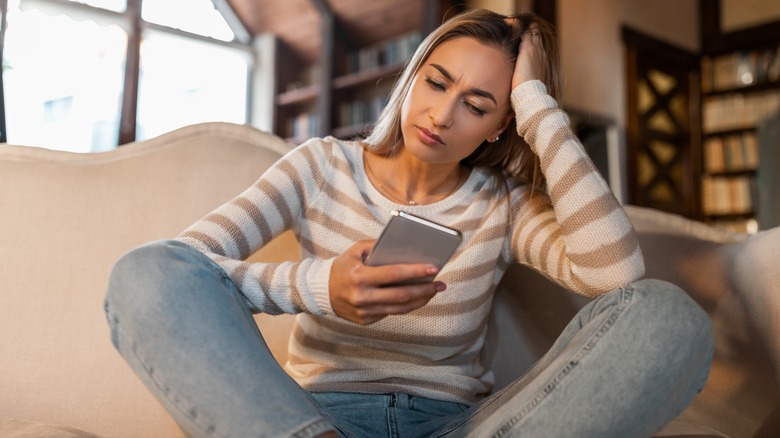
[(477, 91)]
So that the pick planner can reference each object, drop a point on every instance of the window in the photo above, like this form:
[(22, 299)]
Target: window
[(64, 68), (63, 79), (201, 83)]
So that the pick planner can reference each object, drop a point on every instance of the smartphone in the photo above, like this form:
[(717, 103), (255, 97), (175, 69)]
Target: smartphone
[(411, 239)]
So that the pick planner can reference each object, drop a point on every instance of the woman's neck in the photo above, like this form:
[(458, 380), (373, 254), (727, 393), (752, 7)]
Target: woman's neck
[(406, 180)]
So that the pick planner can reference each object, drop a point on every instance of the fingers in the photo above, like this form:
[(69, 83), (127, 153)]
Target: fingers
[(534, 33), (370, 306), (393, 274)]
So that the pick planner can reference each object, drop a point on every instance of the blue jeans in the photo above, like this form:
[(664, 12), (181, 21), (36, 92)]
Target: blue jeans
[(628, 362)]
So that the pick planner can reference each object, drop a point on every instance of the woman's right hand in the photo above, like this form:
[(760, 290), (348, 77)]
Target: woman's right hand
[(357, 294)]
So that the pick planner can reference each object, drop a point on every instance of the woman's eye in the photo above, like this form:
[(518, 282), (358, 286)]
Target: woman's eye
[(475, 109), (435, 85)]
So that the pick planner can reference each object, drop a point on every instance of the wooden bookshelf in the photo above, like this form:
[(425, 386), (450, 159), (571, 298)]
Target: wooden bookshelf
[(740, 89), (342, 92), (702, 161)]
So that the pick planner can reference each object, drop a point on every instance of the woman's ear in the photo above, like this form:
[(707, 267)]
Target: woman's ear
[(504, 124)]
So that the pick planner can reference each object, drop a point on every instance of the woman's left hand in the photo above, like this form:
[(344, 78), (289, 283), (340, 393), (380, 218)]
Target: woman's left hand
[(530, 62)]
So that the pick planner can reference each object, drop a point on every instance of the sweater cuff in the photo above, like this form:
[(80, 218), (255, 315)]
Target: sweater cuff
[(318, 279)]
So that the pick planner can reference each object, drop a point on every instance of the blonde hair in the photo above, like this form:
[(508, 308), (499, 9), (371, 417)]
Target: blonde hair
[(510, 152)]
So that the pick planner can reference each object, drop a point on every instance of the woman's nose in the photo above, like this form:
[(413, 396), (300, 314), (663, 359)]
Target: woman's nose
[(441, 112)]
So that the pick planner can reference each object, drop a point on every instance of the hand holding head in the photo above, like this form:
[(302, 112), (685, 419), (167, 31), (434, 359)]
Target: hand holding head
[(531, 57)]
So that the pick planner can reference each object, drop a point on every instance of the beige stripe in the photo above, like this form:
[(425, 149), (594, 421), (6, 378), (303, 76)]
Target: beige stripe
[(594, 210), (314, 166), (386, 335), (457, 309), (486, 236), (534, 211), (239, 276), (529, 239), (317, 216), (343, 166), (557, 142), (551, 238), (530, 128), (277, 198), (369, 351), (357, 207), (316, 250), (295, 293), (607, 254), (576, 173), (560, 267), (212, 244), (254, 213), (239, 239), (265, 281), (583, 288), (295, 177)]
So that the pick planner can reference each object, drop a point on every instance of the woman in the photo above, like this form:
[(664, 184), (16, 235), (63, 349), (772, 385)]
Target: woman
[(458, 143)]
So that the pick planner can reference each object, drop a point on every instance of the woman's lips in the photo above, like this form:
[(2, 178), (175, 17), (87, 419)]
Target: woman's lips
[(428, 137)]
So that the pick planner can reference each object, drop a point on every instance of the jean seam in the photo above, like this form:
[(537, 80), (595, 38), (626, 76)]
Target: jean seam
[(579, 356), (163, 388)]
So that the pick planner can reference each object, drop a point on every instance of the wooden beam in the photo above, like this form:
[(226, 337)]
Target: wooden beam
[(715, 42), (547, 9), (127, 119), (3, 25), (325, 99)]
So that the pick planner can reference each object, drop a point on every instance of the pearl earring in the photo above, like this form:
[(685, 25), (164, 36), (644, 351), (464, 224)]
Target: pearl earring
[(493, 140)]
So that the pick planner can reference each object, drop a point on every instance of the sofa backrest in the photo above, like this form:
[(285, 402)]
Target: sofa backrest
[(64, 220)]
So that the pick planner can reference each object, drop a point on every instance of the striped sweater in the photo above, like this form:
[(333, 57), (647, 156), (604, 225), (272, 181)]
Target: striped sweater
[(577, 234)]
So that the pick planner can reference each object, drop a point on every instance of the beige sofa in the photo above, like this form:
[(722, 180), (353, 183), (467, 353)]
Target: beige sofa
[(66, 218)]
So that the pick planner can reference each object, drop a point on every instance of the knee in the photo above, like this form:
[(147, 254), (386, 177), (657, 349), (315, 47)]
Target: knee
[(134, 275), (669, 314)]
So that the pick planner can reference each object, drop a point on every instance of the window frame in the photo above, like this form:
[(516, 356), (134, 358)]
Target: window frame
[(133, 23)]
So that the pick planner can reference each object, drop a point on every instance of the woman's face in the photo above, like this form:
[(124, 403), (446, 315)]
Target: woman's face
[(459, 97)]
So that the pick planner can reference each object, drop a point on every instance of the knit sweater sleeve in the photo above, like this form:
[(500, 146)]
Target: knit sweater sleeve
[(272, 205), (577, 233)]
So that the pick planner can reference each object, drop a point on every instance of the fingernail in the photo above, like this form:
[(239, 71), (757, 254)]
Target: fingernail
[(432, 270), (440, 286)]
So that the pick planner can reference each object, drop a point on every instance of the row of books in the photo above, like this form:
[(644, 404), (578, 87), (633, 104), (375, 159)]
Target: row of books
[(303, 126), (391, 52), (361, 111), (727, 195), (736, 111), (740, 69), (731, 153)]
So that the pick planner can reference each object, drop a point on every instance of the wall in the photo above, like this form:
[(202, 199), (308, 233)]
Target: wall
[(592, 54), (593, 63)]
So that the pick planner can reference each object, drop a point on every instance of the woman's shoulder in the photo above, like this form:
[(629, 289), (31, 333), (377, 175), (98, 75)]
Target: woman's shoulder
[(330, 147)]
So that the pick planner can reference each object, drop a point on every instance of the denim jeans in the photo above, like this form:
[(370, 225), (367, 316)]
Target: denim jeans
[(628, 362)]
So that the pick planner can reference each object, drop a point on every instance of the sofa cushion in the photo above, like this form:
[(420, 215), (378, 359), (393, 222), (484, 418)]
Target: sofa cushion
[(66, 218)]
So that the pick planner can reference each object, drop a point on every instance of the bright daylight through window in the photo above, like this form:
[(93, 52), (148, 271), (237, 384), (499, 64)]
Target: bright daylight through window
[(64, 71)]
